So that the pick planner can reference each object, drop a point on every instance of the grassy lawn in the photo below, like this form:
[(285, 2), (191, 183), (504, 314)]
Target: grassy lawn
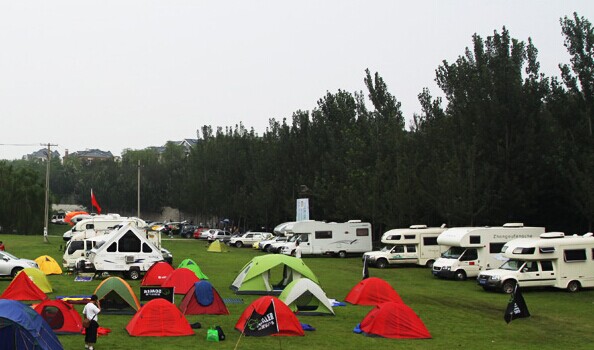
[(457, 314)]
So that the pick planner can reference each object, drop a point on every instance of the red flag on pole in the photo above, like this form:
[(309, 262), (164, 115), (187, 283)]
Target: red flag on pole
[(94, 202)]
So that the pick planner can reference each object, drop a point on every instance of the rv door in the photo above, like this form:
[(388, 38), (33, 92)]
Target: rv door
[(305, 244)]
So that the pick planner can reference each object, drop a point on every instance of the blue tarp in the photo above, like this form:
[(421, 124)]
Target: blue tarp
[(203, 292), (23, 328)]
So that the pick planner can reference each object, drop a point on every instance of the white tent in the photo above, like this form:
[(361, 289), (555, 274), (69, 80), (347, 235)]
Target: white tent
[(306, 298)]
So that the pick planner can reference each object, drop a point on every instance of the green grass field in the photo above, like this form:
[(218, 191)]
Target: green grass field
[(458, 314)]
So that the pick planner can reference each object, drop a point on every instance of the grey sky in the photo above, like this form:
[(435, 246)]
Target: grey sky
[(132, 74)]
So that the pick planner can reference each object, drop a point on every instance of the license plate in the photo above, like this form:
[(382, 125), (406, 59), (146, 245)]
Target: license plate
[(482, 282), (434, 273)]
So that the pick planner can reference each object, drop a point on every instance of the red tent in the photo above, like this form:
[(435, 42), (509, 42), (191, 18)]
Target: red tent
[(159, 318), (22, 288), (181, 279), (201, 299), (394, 320), (372, 291), (157, 274), (288, 324), (61, 316)]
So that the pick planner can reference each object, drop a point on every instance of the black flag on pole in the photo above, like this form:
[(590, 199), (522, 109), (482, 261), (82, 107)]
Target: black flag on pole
[(365, 269), (259, 325), (516, 308)]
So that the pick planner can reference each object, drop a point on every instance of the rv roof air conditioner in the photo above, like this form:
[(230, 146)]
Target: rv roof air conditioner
[(418, 226), (514, 224), (550, 235)]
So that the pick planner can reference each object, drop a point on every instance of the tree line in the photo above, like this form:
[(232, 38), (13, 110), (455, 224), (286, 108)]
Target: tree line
[(506, 143)]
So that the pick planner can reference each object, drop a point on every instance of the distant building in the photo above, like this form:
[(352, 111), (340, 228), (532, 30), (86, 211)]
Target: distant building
[(91, 155), (41, 155)]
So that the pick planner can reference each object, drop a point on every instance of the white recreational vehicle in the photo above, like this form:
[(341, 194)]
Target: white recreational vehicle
[(552, 260), (414, 245), (473, 249), (101, 223), (318, 237), (125, 250)]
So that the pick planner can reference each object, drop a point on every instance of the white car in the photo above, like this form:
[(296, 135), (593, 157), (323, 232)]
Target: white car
[(219, 235), (249, 238), (10, 265), (267, 244)]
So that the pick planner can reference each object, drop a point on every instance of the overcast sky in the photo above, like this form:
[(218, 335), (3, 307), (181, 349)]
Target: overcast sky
[(132, 74)]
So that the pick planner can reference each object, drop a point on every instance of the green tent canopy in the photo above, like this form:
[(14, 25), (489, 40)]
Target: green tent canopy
[(117, 297), (191, 265), (305, 297), (255, 278)]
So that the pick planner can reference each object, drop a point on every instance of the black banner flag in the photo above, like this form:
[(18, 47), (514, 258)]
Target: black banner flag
[(258, 325), (516, 308)]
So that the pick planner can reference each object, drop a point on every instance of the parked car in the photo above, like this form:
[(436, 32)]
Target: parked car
[(10, 265), (249, 238), (201, 233), (267, 244), (187, 230), (219, 235)]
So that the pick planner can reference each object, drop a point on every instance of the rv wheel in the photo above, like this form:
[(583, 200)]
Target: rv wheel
[(381, 263), (573, 286), (460, 275), (429, 264), (508, 286), (134, 274), (342, 254)]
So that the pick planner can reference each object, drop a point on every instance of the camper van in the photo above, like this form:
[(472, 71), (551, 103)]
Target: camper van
[(126, 250), (473, 249), (318, 237), (101, 223), (414, 245), (553, 260)]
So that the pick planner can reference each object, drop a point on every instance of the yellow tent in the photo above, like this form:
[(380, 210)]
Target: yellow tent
[(38, 277), (218, 247), (48, 265)]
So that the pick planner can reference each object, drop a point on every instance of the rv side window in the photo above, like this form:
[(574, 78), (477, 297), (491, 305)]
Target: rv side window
[(411, 249), (469, 255), (146, 248), (547, 249), (89, 226), (430, 240), (409, 236), (113, 247), (575, 255), (90, 245), (521, 250), (546, 265), (398, 249), (129, 243), (394, 238), (74, 246), (495, 247), (362, 232), (475, 239), (323, 234)]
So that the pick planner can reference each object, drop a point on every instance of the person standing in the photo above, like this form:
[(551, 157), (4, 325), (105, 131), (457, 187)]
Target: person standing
[(2, 247), (297, 250), (91, 310)]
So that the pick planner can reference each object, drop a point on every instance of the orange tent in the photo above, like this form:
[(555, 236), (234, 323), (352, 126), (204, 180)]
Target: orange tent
[(70, 215)]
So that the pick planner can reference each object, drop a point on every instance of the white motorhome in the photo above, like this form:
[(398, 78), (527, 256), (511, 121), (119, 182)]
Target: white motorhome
[(553, 260), (414, 245), (474, 249), (125, 250), (98, 223), (318, 237)]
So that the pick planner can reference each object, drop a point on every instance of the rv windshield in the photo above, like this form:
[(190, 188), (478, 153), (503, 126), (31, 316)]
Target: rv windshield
[(512, 265), (387, 248), (453, 253)]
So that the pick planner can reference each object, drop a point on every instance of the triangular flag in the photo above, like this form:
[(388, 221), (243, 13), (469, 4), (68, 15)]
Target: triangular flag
[(516, 308), (94, 202), (259, 325)]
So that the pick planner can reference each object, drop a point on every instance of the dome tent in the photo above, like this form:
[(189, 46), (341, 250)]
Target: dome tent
[(203, 299), (254, 277), (116, 297), (48, 265), (39, 278), (181, 279), (306, 298), (191, 265), (22, 288), (287, 322), (157, 274), (218, 247), (394, 320), (60, 316), (159, 318), (372, 291), (22, 328)]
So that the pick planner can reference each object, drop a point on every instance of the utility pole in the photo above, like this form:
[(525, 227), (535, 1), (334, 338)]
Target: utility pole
[(138, 191), (47, 176)]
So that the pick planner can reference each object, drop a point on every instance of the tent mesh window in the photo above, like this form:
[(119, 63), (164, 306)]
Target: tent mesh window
[(53, 316)]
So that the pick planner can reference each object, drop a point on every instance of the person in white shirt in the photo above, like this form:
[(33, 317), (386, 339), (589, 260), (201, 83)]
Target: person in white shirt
[(91, 312), (297, 250)]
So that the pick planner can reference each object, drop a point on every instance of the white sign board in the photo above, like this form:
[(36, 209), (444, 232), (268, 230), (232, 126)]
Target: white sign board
[(302, 209)]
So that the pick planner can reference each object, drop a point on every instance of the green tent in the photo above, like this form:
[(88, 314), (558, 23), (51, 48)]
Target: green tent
[(39, 278), (117, 297), (191, 265), (255, 278), (304, 297), (218, 247)]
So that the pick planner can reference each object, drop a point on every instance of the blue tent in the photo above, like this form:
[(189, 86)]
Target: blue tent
[(23, 328)]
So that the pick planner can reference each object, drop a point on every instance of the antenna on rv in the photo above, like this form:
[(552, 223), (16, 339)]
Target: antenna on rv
[(443, 225)]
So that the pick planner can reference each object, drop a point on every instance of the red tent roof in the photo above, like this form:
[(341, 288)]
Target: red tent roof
[(394, 320), (22, 288), (61, 316), (372, 291), (288, 324), (203, 299), (157, 274), (159, 318), (181, 279)]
